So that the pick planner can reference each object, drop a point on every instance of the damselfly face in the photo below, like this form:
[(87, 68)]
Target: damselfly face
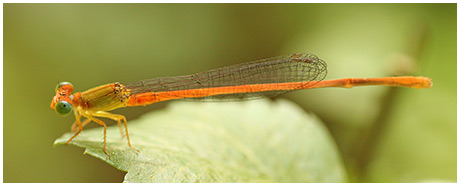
[(62, 102)]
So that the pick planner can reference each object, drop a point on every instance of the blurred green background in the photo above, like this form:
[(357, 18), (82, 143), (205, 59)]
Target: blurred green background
[(384, 134)]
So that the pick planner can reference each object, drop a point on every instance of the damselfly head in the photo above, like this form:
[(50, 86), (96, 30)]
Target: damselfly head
[(62, 101)]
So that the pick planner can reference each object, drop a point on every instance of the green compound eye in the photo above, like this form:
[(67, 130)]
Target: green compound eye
[(62, 84), (63, 108)]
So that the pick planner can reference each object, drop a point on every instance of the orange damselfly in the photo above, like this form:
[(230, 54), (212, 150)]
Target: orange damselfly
[(262, 78)]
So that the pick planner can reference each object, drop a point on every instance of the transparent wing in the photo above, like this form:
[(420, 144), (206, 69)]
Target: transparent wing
[(299, 67)]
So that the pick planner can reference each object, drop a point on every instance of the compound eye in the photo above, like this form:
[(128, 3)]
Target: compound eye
[(63, 108), (62, 84)]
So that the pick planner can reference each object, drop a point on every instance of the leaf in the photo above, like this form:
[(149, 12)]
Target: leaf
[(253, 141)]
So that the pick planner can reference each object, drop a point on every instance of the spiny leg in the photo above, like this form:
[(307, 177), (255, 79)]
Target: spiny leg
[(105, 130), (78, 123), (117, 118), (121, 129), (74, 126)]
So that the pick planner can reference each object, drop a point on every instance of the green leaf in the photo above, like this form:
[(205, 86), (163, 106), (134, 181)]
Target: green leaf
[(253, 141)]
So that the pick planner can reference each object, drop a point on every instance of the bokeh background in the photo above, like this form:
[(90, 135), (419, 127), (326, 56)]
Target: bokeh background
[(383, 134)]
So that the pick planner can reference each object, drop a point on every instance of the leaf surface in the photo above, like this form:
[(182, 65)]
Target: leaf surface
[(253, 141)]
